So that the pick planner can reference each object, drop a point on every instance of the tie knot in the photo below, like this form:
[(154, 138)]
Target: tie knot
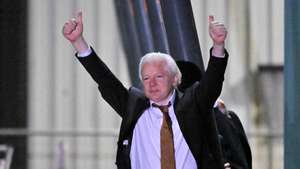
[(163, 108)]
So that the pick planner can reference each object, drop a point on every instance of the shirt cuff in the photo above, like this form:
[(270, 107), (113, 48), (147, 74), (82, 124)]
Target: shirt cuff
[(222, 56), (85, 53)]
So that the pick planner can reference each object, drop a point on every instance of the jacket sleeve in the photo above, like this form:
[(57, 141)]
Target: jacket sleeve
[(211, 84), (111, 89)]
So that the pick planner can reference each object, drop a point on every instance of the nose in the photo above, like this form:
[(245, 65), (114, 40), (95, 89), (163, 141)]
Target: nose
[(152, 82)]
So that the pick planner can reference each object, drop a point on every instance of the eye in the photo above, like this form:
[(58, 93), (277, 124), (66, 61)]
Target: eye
[(145, 78), (159, 76)]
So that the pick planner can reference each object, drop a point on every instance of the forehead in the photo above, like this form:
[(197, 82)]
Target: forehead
[(157, 66)]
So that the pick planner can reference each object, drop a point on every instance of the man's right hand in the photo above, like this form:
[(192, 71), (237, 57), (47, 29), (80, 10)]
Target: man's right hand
[(73, 28), (72, 31)]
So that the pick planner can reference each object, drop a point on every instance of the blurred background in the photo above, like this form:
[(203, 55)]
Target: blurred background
[(52, 114)]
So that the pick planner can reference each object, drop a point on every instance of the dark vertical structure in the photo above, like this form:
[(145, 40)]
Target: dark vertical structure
[(292, 85), (13, 76), (128, 31), (142, 23), (160, 39), (181, 31), (158, 26)]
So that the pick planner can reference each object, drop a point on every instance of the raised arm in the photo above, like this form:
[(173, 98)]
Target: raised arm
[(73, 31), (112, 90), (211, 84)]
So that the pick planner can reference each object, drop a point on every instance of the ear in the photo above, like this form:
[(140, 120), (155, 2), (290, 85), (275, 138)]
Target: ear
[(175, 81)]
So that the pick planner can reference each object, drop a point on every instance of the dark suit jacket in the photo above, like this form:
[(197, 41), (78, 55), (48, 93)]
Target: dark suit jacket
[(192, 109), (234, 142)]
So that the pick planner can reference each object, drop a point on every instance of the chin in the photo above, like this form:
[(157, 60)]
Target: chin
[(155, 99)]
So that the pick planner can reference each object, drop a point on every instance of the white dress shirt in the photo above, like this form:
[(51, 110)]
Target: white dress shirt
[(145, 147)]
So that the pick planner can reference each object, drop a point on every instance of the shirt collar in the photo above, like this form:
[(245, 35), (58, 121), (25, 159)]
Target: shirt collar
[(154, 110)]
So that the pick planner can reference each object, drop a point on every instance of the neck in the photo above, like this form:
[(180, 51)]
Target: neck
[(163, 102)]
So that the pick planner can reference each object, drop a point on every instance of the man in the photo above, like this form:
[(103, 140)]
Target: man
[(235, 146), (161, 127)]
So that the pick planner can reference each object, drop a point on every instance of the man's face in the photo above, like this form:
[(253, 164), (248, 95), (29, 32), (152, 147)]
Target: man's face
[(157, 81)]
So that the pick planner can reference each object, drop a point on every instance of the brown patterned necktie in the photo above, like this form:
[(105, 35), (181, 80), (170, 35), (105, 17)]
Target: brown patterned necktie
[(166, 139)]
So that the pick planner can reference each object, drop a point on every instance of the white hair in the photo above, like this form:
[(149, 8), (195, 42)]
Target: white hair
[(170, 63)]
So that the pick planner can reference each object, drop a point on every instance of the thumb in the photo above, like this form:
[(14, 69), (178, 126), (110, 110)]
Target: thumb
[(211, 18), (79, 17)]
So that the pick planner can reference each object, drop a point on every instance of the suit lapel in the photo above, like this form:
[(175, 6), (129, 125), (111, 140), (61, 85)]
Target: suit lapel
[(137, 103), (178, 96)]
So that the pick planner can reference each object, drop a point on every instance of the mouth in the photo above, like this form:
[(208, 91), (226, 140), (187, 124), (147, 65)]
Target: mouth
[(154, 91)]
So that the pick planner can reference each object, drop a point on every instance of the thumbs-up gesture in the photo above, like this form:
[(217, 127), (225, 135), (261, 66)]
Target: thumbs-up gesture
[(217, 31), (72, 31), (73, 28)]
